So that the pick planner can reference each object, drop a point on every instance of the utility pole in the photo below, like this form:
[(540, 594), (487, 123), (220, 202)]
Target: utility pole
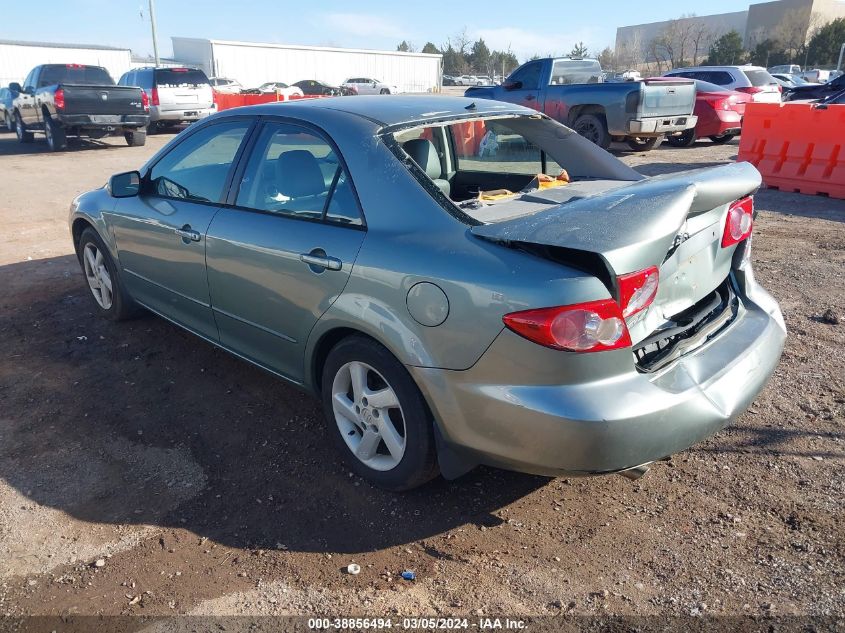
[(153, 25)]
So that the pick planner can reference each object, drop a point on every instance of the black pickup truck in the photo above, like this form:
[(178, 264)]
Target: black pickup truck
[(61, 100)]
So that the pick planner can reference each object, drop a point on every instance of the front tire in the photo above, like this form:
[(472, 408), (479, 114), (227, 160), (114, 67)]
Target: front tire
[(136, 138), (20, 130), (593, 128), (384, 91), (56, 135), (10, 121), (109, 296), (376, 416), (684, 139), (643, 144), (722, 138)]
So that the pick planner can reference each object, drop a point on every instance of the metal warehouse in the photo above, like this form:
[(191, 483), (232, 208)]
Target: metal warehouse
[(18, 58), (253, 63)]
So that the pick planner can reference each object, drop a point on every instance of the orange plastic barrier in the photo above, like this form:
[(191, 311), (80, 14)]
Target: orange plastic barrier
[(468, 137), (796, 147), (225, 101)]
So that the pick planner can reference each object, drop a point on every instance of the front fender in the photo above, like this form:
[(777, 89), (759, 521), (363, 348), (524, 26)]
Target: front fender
[(91, 209)]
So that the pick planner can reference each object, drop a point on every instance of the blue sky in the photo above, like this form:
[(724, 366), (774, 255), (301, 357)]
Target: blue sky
[(529, 28)]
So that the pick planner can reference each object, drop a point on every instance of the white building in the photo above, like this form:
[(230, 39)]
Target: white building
[(18, 58), (252, 64)]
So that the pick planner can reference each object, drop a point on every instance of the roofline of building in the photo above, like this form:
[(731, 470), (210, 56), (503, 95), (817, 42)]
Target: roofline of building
[(334, 49), (690, 17), (95, 47)]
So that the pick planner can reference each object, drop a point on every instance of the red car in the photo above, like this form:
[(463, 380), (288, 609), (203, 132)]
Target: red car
[(719, 112)]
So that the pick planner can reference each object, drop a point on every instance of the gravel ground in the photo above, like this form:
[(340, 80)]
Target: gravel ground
[(144, 472)]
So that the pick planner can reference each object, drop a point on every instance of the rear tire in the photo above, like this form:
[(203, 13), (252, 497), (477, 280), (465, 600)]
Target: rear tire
[(56, 135), (152, 128), (10, 121), (136, 138), (20, 130), (107, 293), (685, 139), (394, 417), (722, 139), (384, 91), (643, 144), (593, 127)]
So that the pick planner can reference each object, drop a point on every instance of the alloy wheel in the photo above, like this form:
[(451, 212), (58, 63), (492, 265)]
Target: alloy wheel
[(369, 416), (97, 275), (588, 130)]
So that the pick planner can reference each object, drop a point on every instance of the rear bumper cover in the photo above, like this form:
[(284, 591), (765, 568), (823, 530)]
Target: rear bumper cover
[(103, 121), (725, 122), (182, 114), (603, 424), (661, 125)]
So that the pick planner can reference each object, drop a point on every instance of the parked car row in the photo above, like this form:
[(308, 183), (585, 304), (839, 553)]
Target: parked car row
[(308, 87)]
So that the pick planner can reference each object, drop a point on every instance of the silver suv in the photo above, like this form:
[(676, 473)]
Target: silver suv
[(177, 95), (753, 80)]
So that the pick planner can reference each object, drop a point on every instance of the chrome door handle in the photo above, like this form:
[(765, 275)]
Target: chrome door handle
[(188, 234), (329, 263)]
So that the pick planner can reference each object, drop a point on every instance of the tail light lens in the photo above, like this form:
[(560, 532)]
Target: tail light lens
[(145, 100), (594, 326), (739, 223), (751, 90), (637, 290), (155, 96), (59, 99)]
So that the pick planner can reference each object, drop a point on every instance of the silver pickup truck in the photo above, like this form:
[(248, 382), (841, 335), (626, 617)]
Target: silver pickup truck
[(572, 91)]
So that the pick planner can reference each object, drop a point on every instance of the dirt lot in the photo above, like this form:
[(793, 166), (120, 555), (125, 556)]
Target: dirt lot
[(201, 485)]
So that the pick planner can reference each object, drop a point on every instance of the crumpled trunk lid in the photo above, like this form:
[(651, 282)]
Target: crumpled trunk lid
[(674, 222)]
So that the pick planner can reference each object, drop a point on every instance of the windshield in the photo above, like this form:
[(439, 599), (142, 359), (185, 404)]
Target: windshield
[(759, 77), (174, 77), (706, 86), (73, 74), (494, 168), (575, 71)]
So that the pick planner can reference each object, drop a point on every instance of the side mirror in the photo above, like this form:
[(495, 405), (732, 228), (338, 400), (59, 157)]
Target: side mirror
[(15, 87), (125, 185), (512, 85)]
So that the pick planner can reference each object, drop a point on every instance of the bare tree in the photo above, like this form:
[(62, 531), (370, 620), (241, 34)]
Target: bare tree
[(791, 32), (702, 37)]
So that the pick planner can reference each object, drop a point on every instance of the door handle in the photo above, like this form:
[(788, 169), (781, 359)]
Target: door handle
[(530, 98), (187, 233), (321, 261)]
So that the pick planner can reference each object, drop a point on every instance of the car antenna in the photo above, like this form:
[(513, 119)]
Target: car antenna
[(471, 106)]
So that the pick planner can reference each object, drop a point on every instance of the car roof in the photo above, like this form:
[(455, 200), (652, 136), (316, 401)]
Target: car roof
[(396, 109)]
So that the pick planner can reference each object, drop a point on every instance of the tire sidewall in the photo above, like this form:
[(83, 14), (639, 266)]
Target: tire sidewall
[(604, 137), (418, 464), (122, 306)]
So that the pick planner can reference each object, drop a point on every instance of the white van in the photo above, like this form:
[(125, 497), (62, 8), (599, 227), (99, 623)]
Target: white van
[(177, 95)]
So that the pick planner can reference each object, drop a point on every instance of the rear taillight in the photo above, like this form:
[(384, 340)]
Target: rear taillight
[(154, 98), (637, 290), (145, 100), (594, 326), (59, 99), (739, 223)]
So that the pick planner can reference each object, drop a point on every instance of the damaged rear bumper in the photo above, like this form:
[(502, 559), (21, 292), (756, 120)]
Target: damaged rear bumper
[(661, 125), (522, 408)]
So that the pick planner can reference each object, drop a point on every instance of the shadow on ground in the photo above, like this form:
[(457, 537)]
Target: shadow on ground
[(142, 423)]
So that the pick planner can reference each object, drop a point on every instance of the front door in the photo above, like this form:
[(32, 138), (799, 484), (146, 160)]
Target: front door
[(523, 86), (283, 254), (161, 233)]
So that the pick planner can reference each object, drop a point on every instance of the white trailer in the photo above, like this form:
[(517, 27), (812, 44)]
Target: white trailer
[(18, 58), (253, 64)]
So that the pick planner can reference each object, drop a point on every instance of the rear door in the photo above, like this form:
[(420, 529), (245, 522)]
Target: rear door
[(183, 89), (283, 253), (160, 234)]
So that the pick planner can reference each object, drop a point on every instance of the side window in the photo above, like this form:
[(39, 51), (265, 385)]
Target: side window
[(721, 78), (294, 172), (196, 168), (30, 79), (529, 75)]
